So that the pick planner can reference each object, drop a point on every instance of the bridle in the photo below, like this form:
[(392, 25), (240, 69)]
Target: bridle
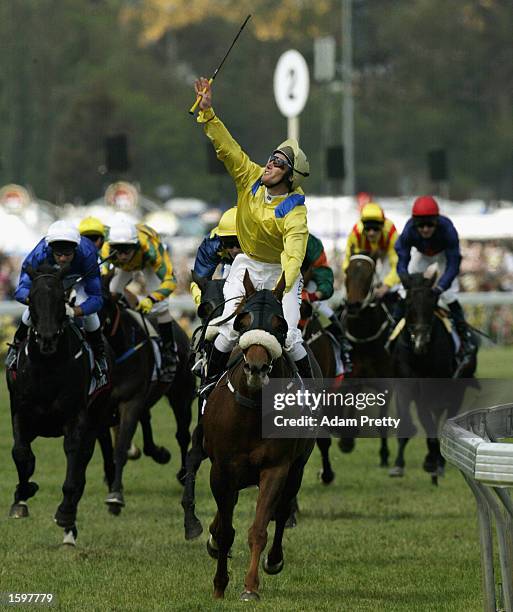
[(368, 300), (33, 331)]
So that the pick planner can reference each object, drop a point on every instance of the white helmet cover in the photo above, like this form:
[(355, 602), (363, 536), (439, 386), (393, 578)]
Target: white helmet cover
[(123, 232), (62, 231)]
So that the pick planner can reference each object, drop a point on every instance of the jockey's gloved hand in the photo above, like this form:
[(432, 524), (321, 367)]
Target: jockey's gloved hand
[(437, 291), (312, 296), (145, 305)]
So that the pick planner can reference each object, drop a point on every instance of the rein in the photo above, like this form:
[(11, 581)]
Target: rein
[(367, 300), (359, 340)]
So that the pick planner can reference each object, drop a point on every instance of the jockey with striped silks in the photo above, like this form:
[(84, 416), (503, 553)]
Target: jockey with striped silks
[(318, 278), (139, 248), (377, 235)]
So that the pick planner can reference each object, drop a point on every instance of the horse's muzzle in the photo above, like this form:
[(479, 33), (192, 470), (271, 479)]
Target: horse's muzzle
[(353, 308)]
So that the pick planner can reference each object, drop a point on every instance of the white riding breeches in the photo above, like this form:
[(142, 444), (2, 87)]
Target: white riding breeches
[(263, 276), (320, 306), (420, 263), (121, 279), (91, 322)]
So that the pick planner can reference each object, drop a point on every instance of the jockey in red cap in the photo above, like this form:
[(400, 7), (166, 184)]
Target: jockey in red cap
[(436, 241)]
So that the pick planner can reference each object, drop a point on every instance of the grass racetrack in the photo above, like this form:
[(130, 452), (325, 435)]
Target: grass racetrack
[(366, 542)]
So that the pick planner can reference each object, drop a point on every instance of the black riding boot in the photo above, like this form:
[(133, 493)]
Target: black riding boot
[(399, 310), (304, 368), (467, 341), (101, 371), (169, 352), (12, 354), (216, 366), (337, 329)]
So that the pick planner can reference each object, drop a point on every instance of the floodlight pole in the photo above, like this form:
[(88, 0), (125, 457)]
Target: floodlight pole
[(347, 106)]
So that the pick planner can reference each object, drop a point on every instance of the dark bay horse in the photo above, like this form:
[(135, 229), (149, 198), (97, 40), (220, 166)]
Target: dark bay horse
[(366, 321), (49, 397), (240, 456), (134, 393), (425, 350)]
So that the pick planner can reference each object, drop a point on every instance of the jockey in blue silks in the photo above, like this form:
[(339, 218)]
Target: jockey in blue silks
[(62, 246), (221, 246), (436, 241)]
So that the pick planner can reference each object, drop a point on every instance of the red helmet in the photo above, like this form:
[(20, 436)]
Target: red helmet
[(425, 206)]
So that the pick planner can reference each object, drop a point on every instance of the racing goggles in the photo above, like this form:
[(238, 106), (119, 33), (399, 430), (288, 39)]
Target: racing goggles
[(425, 222), (230, 242), (123, 248), (63, 248), (376, 226), (278, 162)]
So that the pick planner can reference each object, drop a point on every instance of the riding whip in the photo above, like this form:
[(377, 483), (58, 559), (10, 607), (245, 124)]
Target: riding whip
[(210, 81)]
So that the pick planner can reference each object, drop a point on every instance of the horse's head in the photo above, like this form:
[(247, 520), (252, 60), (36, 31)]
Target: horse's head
[(420, 307), (262, 329), (47, 306), (211, 295), (359, 279)]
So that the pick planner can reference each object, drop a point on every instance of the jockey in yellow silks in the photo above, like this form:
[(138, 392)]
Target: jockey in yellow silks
[(139, 248), (271, 228), (375, 234)]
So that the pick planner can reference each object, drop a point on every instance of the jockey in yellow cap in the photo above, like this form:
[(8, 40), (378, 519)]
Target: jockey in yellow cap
[(93, 228), (221, 246), (271, 228), (375, 234)]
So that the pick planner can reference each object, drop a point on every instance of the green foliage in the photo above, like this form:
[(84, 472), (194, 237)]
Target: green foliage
[(428, 74)]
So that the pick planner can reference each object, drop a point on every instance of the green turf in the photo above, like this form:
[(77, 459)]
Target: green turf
[(367, 542)]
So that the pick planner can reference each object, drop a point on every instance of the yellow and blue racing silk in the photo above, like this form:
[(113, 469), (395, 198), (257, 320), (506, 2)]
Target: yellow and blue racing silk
[(271, 232)]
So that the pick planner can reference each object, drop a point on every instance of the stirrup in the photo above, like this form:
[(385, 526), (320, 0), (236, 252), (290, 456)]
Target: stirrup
[(11, 357)]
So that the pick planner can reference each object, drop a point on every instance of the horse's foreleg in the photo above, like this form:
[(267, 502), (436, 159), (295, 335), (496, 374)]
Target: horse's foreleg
[(398, 469), (129, 416), (107, 449), (273, 564), (226, 498), (326, 474), (271, 486), (384, 452), (79, 441), (25, 462), (193, 461), (180, 402), (159, 454)]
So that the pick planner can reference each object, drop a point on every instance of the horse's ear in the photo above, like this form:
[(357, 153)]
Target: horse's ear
[(279, 290), (201, 281), (30, 271), (248, 285), (431, 274)]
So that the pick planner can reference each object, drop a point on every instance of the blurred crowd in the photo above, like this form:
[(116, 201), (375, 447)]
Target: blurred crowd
[(486, 266)]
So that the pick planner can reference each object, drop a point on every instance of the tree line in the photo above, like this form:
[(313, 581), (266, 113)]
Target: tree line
[(428, 74)]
